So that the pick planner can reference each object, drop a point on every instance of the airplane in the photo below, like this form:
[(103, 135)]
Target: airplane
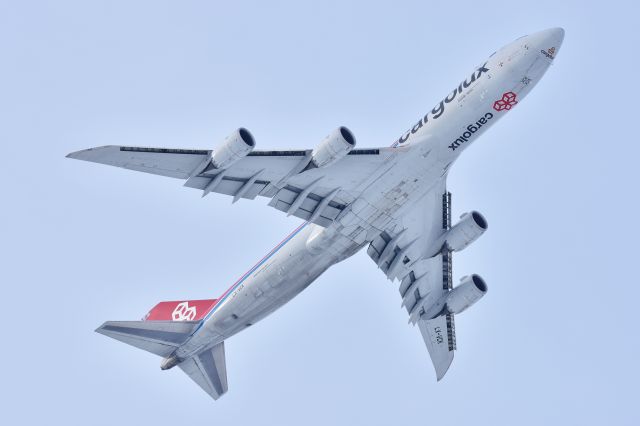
[(394, 200)]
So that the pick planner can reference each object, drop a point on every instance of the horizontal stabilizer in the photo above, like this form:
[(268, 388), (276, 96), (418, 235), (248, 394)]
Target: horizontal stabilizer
[(158, 337), (209, 370)]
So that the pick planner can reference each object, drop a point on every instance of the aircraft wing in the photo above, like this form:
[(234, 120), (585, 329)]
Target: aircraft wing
[(407, 252), (317, 195)]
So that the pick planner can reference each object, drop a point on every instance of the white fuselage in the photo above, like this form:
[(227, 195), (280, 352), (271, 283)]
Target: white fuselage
[(433, 143)]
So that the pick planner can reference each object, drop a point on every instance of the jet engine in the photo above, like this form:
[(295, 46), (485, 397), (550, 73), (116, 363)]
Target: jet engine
[(469, 291), (469, 229), (332, 148), (236, 146)]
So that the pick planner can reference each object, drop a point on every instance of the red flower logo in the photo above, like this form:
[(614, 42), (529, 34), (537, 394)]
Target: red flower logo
[(507, 102)]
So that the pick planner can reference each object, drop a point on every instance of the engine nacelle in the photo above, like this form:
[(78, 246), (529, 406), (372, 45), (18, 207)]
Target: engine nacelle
[(469, 291), (333, 148), (469, 229), (236, 146)]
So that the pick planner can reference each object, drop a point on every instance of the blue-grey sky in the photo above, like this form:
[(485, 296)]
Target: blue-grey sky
[(554, 342)]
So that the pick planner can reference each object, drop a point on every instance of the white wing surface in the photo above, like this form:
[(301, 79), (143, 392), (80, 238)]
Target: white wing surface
[(314, 194), (410, 253)]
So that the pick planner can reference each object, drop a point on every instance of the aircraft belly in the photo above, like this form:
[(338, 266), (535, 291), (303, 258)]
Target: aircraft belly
[(381, 205), (298, 263), (292, 269)]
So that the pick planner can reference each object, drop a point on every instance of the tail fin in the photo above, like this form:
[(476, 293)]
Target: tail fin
[(181, 310), (161, 337), (158, 337), (209, 370)]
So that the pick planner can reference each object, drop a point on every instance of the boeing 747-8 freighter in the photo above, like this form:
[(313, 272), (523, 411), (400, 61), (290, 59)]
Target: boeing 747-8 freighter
[(394, 201)]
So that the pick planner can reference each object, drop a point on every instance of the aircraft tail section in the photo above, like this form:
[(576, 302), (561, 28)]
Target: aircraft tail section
[(209, 370), (166, 327)]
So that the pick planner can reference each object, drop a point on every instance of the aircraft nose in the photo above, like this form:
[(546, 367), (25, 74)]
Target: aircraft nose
[(554, 36), (548, 40)]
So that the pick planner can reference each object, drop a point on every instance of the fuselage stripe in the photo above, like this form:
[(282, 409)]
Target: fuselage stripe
[(249, 272)]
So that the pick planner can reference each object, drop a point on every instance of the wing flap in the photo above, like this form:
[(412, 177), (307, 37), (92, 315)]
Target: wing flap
[(229, 186)]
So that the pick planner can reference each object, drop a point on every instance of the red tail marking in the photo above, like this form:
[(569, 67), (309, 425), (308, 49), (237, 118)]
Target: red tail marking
[(180, 310)]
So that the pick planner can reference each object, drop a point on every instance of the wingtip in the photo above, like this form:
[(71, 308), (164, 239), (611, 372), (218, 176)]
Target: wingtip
[(441, 370), (100, 329), (440, 374), (87, 154)]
